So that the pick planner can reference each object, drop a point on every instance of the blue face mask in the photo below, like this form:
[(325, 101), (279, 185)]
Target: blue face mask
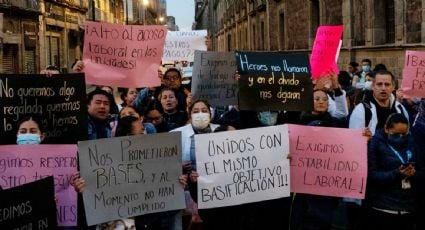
[(28, 139), (397, 141), (366, 68), (268, 118)]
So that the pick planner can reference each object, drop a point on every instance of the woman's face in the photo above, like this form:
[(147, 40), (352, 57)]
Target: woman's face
[(172, 80), (168, 101), (154, 116), (130, 96), (29, 126), (398, 129), (137, 128), (199, 107), (320, 102), (128, 111)]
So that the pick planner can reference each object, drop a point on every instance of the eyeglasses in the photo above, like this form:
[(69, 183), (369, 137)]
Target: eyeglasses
[(153, 119), (325, 99), (173, 78)]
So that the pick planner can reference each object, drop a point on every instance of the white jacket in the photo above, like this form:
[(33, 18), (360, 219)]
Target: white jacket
[(187, 132), (358, 120)]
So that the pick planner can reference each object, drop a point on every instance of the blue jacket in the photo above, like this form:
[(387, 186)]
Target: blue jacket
[(98, 130), (384, 188)]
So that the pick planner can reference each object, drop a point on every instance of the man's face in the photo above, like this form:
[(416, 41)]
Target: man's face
[(172, 80), (99, 107), (382, 87)]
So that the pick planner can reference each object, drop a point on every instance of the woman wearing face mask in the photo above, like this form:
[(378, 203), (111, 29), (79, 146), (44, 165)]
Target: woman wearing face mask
[(200, 122), (29, 132), (395, 172), (313, 211)]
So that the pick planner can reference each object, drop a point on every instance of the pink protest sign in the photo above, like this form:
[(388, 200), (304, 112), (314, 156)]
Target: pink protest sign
[(413, 82), (123, 55), (325, 49), (328, 161), (21, 164)]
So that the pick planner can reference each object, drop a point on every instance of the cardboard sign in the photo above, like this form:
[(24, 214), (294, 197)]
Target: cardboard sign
[(30, 206), (328, 161), (245, 166), (325, 50), (181, 45), (131, 176), (59, 102), (274, 81), (213, 78), (21, 164), (413, 82), (123, 55)]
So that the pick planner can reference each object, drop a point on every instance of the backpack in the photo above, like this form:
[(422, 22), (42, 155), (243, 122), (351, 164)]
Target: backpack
[(367, 113)]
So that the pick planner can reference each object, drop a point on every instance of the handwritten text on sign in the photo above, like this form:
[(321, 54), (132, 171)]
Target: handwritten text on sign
[(325, 49), (123, 55), (30, 206), (328, 161), (214, 78), (274, 81), (181, 45), (21, 164), (413, 83), (59, 102), (131, 176), (247, 166)]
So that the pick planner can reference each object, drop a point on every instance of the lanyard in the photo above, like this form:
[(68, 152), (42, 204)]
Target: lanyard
[(409, 155)]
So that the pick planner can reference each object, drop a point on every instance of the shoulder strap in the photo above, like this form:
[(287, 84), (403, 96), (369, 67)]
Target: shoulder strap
[(367, 113)]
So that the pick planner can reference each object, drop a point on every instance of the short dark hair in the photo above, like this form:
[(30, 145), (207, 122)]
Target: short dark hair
[(199, 101), (379, 67), (344, 78), (395, 118), (354, 64), (99, 92), (52, 67), (172, 69), (385, 72), (124, 125), (367, 60)]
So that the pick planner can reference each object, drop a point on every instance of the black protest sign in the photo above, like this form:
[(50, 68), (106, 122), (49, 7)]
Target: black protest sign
[(274, 81), (30, 206), (58, 102), (214, 78)]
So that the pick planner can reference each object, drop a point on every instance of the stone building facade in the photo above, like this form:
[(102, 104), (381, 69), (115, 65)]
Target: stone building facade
[(381, 30)]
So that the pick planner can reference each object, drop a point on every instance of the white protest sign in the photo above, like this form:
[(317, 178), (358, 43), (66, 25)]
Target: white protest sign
[(242, 166), (131, 176), (181, 45)]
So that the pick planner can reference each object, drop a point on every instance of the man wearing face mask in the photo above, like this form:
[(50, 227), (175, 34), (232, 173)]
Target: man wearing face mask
[(360, 79), (267, 118)]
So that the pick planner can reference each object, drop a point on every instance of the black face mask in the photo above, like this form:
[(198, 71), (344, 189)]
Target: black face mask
[(397, 141)]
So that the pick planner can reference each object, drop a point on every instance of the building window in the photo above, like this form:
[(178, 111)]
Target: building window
[(315, 17), (53, 47), (282, 31), (390, 21), (263, 38), (359, 22), (413, 21), (254, 43)]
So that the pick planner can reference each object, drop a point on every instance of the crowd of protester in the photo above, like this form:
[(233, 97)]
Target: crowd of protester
[(366, 99)]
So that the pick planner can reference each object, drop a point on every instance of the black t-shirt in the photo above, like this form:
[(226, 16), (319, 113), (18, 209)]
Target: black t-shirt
[(175, 120), (383, 113)]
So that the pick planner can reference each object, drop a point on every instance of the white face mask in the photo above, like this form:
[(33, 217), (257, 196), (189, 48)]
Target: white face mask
[(200, 120), (368, 85)]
